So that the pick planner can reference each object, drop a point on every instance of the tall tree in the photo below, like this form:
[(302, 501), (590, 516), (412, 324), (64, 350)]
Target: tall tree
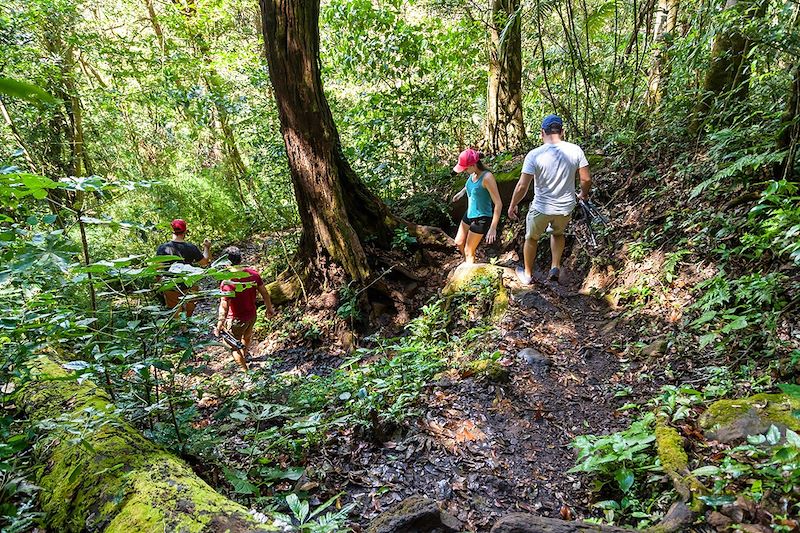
[(728, 71), (666, 19), (789, 130), (216, 87), (338, 213), (505, 128)]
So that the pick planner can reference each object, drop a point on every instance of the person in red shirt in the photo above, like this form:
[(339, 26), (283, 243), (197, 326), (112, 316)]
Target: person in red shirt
[(237, 309)]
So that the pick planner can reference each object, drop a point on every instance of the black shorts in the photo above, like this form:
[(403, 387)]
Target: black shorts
[(478, 225)]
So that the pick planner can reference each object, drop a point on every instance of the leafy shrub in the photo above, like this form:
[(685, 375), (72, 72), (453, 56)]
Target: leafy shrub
[(426, 208), (621, 465), (741, 311), (775, 223)]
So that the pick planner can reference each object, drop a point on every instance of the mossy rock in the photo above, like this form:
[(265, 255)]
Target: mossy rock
[(415, 514), (731, 420), (111, 478), (669, 444), (466, 274), (500, 303), (488, 368)]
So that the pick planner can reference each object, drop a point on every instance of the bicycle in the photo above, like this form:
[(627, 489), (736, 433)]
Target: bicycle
[(591, 224)]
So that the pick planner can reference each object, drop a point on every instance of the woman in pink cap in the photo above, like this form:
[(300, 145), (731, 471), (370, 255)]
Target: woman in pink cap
[(483, 204)]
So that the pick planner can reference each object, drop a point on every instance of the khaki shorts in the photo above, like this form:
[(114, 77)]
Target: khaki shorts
[(536, 224), (239, 328)]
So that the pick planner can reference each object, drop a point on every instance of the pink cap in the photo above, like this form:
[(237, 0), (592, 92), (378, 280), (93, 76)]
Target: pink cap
[(466, 159)]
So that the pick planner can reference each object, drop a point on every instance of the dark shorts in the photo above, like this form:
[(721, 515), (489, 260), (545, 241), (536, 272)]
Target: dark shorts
[(478, 225)]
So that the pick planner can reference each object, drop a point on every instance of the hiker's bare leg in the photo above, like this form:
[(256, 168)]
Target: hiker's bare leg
[(529, 254), (473, 240), (247, 339), (239, 357), (461, 236), (557, 249)]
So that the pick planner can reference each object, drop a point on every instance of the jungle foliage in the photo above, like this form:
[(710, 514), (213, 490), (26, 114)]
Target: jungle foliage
[(120, 115)]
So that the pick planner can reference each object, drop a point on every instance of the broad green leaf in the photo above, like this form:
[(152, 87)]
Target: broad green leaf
[(705, 317), (707, 339), (773, 435), (717, 500), (239, 482), (739, 322), (76, 365), (292, 473), (792, 438), (25, 91), (708, 470), (625, 478), (790, 388)]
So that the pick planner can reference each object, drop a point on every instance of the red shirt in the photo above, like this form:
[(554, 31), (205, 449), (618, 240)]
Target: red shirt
[(242, 305)]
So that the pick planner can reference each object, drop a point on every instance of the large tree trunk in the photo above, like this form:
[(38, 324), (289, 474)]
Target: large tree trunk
[(108, 477), (505, 129), (337, 211), (728, 73)]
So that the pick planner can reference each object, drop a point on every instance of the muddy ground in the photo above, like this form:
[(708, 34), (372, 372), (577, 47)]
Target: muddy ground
[(485, 449)]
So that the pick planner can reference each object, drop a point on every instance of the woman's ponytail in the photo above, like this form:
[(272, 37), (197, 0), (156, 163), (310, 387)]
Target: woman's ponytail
[(479, 163)]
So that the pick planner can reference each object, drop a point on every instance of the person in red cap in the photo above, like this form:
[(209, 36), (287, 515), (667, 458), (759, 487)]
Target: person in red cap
[(191, 255), (483, 204)]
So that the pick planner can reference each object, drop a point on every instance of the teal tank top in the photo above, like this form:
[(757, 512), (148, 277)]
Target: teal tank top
[(480, 201)]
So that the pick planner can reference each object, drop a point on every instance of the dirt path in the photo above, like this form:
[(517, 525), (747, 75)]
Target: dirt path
[(486, 449)]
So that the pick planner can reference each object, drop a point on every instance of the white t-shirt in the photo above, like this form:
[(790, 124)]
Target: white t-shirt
[(553, 167)]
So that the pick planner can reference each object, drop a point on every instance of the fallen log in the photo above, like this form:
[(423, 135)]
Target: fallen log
[(98, 473)]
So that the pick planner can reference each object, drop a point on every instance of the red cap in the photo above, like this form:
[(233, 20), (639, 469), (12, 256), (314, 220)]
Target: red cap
[(179, 226), (466, 159)]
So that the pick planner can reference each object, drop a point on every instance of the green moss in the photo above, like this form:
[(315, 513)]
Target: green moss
[(490, 368), (105, 476), (465, 274), (500, 304), (675, 462), (776, 408), (596, 161), (670, 450)]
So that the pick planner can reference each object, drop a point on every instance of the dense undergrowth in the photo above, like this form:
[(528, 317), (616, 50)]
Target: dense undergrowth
[(703, 255), (710, 267)]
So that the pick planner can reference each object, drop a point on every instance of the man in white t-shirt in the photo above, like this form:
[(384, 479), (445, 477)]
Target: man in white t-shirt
[(552, 167)]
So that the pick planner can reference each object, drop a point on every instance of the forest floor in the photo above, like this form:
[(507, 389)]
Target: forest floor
[(484, 447)]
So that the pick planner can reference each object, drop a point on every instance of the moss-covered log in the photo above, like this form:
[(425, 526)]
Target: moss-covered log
[(675, 462), (98, 473)]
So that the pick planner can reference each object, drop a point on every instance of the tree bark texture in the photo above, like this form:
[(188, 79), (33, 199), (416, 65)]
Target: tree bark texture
[(505, 128), (107, 476), (337, 211), (666, 20)]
